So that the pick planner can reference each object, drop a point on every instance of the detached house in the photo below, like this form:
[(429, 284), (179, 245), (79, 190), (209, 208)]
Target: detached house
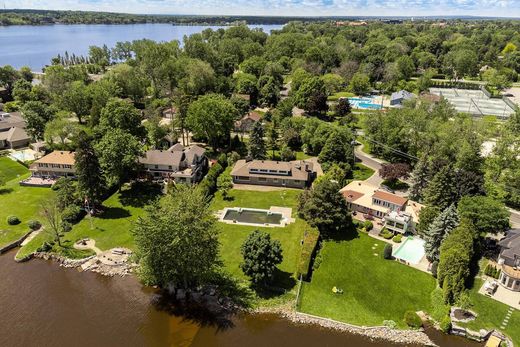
[(12, 131), (396, 212), (294, 174), (54, 165), (509, 261), (397, 98), (246, 123), (180, 164)]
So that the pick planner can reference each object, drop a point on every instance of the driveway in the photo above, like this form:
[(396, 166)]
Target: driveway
[(371, 162), (514, 218)]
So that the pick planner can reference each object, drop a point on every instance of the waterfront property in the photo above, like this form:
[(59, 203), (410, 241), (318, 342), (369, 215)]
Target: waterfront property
[(179, 164), (294, 174), (54, 165), (374, 289), (397, 213), (509, 261)]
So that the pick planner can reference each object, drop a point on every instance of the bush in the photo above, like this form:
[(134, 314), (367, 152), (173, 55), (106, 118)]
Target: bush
[(368, 225), (310, 243), (66, 226), (34, 224), (389, 323), (412, 319), (13, 220), (47, 246), (387, 252), (387, 234), (445, 324), (397, 238), (72, 214)]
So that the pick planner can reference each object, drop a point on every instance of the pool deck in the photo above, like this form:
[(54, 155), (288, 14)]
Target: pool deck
[(286, 213)]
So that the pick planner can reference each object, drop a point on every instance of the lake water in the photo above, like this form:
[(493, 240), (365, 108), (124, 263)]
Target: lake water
[(35, 46), (44, 305)]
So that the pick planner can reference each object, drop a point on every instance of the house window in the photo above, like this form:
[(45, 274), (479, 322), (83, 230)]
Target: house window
[(262, 179), (156, 166), (399, 225), (169, 167), (242, 178), (56, 166)]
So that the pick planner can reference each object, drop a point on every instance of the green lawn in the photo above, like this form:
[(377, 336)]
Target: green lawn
[(232, 237), (113, 227), (361, 172), (23, 202), (300, 155), (491, 313), (375, 289), (10, 169), (336, 96)]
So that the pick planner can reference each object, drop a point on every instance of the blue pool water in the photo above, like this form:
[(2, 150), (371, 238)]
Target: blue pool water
[(364, 103)]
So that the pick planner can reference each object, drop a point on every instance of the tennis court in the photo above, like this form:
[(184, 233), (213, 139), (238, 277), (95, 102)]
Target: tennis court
[(474, 102)]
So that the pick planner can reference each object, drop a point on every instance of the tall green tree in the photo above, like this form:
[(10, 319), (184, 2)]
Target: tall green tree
[(261, 255), (91, 183), (36, 114), (177, 240), (120, 114), (338, 148), (420, 178), (312, 96), (439, 229), (487, 214), (442, 190), (118, 152), (256, 145)]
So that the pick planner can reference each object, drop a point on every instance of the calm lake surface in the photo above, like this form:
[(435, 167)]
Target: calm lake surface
[(35, 46), (43, 304)]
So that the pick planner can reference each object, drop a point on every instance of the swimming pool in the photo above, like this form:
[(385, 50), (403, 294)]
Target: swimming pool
[(366, 103), (252, 216), (411, 251)]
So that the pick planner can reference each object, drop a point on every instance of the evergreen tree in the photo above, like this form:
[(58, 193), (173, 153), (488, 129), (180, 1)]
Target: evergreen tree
[(343, 107), (272, 137), (256, 142), (420, 178), (442, 189), (438, 231), (91, 183)]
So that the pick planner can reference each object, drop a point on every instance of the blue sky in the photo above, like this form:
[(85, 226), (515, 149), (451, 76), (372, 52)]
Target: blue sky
[(506, 8)]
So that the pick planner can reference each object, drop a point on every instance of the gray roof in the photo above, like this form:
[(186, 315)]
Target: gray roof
[(176, 147), (402, 95), (16, 134), (193, 153), (158, 157), (510, 246), (298, 169), (11, 120)]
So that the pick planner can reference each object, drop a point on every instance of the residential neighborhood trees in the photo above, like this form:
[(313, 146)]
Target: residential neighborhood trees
[(261, 255)]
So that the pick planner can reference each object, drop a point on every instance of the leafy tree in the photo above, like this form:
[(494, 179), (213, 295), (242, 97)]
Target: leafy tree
[(100, 93), (420, 178), (117, 151), (456, 253), (496, 79), (120, 114), (284, 108), (332, 82), (177, 240), (256, 145), (325, 208), (22, 91), (338, 148), (77, 99), (312, 96), (91, 183), (393, 172), (99, 56), (196, 77), (487, 214), (212, 116), (59, 127), (51, 212), (426, 217), (360, 83), (26, 73), (406, 67), (261, 255), (286, 154), (36, 114), (343, 108), (154, 131), (269, 93), (8, 77), (509, 48), (438, 230)]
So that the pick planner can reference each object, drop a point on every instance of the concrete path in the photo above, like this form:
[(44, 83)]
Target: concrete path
[(89, 244), (31, 237)]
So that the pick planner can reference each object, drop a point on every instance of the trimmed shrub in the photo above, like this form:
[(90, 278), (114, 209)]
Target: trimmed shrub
[(13, 220), (389, 323), (397, 238), (368, 225), (309, 246), (445, 324), (72, 213), (47, 246), (34, 224), (387, 234), (387, 252), (412, 319)]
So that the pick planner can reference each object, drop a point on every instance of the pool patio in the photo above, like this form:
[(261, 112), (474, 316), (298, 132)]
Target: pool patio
[(284, 212)]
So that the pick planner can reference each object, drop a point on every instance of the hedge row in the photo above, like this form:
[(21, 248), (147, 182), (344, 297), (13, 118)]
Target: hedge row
[(492, 271), (309, 247)]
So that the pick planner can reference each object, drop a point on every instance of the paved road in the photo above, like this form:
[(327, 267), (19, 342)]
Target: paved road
[(371, 162)]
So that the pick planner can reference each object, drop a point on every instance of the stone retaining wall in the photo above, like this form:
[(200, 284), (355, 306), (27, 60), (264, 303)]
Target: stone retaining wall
[(15, 243)]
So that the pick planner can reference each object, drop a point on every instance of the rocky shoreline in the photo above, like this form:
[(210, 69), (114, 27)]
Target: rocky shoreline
[(382, 333)]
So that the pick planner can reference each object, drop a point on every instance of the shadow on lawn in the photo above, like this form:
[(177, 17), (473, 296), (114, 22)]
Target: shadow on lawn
[(114, 213), (5, 191), (283, 282), (139, 194)]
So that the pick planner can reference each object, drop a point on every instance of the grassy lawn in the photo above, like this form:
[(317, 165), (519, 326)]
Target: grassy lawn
[(232, 236), (113, 227), (375, 289), (300, 155), (23, 202), (361, 172), (335, 97), (491, 313), (10, 169)]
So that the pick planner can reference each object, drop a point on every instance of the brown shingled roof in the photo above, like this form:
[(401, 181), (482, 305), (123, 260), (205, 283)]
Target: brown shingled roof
[(392, 198), (351, 195), (58, 157)]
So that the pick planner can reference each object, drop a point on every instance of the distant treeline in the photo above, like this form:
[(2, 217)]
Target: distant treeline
[(43, 17)]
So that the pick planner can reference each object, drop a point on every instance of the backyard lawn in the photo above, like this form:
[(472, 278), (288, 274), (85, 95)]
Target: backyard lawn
[(22, 202), (361, 172), (375, 289), (232, 236), (491, 313), (336, 96)]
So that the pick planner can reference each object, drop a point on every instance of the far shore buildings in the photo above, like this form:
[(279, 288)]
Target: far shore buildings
[(294, 174), (179, 164), (54, 165), (509, 261), (396, 212), (12, 131)]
